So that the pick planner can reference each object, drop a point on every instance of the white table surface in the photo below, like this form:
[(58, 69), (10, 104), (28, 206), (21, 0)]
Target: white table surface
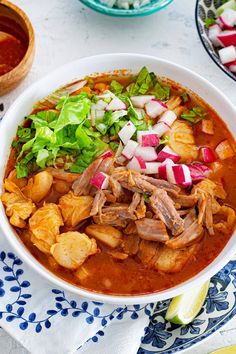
[(66, 30)]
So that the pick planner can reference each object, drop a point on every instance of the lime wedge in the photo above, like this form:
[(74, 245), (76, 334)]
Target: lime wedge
[(184, 308), (226, 350)]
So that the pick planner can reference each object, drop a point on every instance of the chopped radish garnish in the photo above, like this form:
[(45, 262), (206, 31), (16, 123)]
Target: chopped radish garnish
[(207, 126), (196, 173), (147, 138), (227, 38), (167, 153), (168, 117), (148, 153), (179, 174), (140, 101), (232, 66), (214, 32), (165, 122), (154, 108), (106, 154), (203, 168), (207, 154), (115, 105), (100, 180), (161, 128), (224, 150), (127, 132), (137, 164), (107, 95), (129, 149), (152, 168), (162, 168), (227, 54), (101, 105), (227, 19)]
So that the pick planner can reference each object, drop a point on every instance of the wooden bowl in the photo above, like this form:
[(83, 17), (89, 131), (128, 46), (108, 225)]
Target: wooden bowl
[(12, 78)]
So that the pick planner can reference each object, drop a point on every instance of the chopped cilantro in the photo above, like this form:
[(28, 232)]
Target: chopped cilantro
[(209, 21), (194, 115)]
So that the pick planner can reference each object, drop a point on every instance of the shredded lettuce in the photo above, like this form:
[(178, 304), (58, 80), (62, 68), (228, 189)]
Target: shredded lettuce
[(104, 124), (74, 110)]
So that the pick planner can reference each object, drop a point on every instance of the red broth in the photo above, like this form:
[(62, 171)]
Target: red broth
[(13, 46)]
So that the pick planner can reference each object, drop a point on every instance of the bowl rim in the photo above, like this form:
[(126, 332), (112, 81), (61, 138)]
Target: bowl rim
[(31, 35), (204, 45), (23, 252), (116, 12)]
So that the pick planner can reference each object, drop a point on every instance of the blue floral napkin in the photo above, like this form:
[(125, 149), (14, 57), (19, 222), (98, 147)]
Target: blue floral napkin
[(45, 319)]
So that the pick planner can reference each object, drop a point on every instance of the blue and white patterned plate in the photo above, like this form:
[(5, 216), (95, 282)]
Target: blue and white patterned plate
[(204, 9), (16, 292), (219, 307)]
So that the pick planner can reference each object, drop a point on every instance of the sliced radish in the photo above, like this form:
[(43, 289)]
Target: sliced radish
[(232, 66), (165, 122), (168, 117), (127, 132), (214, 32), (196, 173), (227, 54), (147, 138), (179, 174), (140, 101), (231, 4), (129, 149), (205, 170), (106, 154), (161, 128), (115, 105), (100, 180), (137, 164), (207, 154), (162, 168), (227, 38), (140, 113), (227, 19), (154, 108), (101, 105), (167, 153), (107, 95), (148, 153), (152, 168), (224, 150), (182, 175)]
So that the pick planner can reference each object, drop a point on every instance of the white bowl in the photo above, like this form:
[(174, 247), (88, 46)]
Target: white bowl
[(78, 69)]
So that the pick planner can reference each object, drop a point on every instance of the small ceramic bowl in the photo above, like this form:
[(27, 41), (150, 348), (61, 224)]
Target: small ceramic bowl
[(204, 9), (153, 6), (12, 78)]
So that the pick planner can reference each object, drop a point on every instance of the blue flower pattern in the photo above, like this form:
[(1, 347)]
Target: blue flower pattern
[(11, 265), (220, 306), (159, 337)]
